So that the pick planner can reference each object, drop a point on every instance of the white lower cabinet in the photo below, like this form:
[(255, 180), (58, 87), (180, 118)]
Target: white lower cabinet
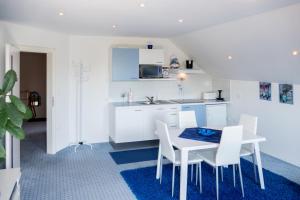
[(137, 123), (128, 124), (216, 115)]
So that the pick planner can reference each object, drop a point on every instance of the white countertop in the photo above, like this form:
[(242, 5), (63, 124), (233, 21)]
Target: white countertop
[(169, 102)]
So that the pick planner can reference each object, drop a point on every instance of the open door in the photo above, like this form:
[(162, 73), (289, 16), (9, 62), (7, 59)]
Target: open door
[(12, 145)]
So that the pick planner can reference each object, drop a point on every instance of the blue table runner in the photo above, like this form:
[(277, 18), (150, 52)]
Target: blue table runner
[(193, 134)]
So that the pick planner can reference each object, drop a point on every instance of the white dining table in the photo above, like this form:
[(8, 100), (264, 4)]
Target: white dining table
[(187, 145)]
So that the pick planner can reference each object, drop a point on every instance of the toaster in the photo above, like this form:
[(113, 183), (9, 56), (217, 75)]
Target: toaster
[(209, 95)]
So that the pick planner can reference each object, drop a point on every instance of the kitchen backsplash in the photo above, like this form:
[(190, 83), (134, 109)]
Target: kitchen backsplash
[(194, 86)]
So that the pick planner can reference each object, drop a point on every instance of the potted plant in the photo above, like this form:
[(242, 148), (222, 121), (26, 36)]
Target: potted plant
[(12, 111)]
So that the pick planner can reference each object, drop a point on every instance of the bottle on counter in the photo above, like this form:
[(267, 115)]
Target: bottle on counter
[(130, 96)]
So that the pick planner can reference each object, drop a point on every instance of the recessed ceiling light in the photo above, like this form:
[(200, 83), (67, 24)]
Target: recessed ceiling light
[(180, 20), (60, 13), (295, 53), (114, 26), (142, 5), (229, 57)]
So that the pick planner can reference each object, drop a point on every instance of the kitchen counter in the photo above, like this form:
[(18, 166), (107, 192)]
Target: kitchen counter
[(168, 102)]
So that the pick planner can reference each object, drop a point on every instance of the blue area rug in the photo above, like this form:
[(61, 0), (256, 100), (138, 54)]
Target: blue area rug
[(143, 184), (132, 156)]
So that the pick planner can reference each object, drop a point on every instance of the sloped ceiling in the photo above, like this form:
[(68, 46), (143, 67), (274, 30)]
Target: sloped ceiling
[(156, 19), (261, 47)]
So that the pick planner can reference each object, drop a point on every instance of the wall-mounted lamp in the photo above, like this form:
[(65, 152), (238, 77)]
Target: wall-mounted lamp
[(181, 76)]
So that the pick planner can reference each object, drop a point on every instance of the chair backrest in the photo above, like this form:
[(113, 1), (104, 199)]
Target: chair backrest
[(249, 123), (165, 141), (230, 146), (187, 119)]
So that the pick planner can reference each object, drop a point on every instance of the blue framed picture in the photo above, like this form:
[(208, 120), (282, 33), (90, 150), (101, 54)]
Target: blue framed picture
[(286, 93), (265, 91)]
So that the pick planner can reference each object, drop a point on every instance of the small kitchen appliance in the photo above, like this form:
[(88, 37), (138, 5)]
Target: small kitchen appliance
[(189, 64)]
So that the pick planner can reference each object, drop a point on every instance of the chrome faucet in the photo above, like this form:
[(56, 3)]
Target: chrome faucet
[(151, 99)]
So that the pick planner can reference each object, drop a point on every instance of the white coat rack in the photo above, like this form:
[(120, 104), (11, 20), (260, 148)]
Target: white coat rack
[(82, 76)]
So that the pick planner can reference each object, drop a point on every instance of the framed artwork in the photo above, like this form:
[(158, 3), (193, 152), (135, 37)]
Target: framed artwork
[(265, 91), (286, 93)]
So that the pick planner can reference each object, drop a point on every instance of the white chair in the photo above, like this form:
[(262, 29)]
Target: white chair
[(249, 124), (172, 155), (228, 153), (187, 119)]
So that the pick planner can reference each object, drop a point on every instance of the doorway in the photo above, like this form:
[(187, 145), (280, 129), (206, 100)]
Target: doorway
[(12, 61), (33, 92)]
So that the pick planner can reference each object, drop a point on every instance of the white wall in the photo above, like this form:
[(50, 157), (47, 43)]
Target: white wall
[(2, 52), (278, 122), (221, 84), (25, 35), (261, 47), (94, 53)]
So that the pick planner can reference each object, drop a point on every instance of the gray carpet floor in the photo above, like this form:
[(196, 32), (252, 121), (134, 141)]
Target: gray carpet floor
[(89, 174)]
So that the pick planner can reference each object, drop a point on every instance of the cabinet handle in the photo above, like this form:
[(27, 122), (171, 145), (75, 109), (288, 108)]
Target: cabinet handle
[(173, 126), (173, 108), (173, 114), (160, 109), (137, 110)]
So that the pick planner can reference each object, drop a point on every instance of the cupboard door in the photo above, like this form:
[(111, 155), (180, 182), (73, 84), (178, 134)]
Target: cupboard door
[(151, 56), (125, 64), (199, 112), (216, 115), (129, 125)]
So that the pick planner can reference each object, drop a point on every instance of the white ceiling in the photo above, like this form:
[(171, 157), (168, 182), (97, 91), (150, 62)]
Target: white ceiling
[(159, 18), (261, 47)]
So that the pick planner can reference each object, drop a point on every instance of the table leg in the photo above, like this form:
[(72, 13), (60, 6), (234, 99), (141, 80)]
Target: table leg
[(183, 174), (259, 166), (158, 163)]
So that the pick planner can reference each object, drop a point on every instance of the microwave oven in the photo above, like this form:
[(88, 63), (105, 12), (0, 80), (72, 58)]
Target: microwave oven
[(150, 71)]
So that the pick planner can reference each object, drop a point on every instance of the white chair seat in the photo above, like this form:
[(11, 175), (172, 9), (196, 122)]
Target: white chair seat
[(208, 156), (194, 158), (246, 152)]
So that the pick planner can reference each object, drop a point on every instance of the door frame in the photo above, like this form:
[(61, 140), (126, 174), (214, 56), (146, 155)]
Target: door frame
[(51, 148)]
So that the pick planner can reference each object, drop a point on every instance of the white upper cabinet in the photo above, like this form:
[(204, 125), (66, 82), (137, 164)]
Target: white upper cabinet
[(151, 57)]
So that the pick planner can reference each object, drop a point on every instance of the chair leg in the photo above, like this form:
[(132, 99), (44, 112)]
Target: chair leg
[(241, 179), (217, 182), (161, 169), (200, 176), (196, 174), (222, 173), (173, 179), (254, 166), (192, 167), (233, 172)]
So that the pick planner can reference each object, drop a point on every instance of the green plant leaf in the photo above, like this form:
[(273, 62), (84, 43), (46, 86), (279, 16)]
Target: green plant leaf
[(28, 114), (10, 79), (18, 103), (14, 115), (2, 151), (1, 92), (15, 131), (2, 103), (3, 115)]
